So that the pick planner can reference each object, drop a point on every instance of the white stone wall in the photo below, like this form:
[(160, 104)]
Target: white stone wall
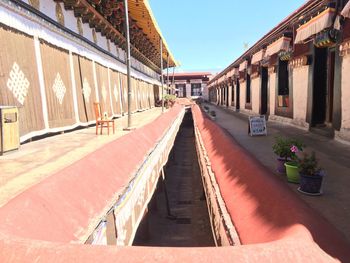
[(345, 99), (205, 93), (242, 95), (272, 94), (49, 9), (255, 94), (300, 87), (188, 90), (230, 95)]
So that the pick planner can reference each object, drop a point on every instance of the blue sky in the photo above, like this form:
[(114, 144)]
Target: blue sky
[(210, 34)]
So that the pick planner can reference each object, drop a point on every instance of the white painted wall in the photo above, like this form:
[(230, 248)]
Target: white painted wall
[(70, 21), (255, 94), (345, 98), (242, 94), (188, 90), (205, 93), (272, 94), (300, 87), (49, 8)]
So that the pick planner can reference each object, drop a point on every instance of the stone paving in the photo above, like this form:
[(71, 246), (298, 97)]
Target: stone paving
[(39, 159), (334, 158)]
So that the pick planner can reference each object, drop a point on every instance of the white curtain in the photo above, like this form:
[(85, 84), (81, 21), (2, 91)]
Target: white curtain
[(315, 25), (257, 57), (243, 65), (282, 43), (346, 11)]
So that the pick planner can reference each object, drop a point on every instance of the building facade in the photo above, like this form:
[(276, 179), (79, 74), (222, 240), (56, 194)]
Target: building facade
[(58, 57), (191, 84), (297, 73)]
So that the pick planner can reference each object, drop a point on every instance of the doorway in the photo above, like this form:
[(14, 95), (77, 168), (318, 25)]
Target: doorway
[(263, 97), (323, 87)]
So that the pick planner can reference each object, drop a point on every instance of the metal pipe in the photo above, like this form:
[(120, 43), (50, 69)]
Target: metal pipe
[(127, 34), (161, 72), (173, 82), (167, 73)]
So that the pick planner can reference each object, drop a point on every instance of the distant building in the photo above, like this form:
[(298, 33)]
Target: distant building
[(191, 84)]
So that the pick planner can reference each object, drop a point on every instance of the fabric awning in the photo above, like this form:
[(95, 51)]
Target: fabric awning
[(280, 44), (243, 65), (257, 57), (315, 25), (346, 10)]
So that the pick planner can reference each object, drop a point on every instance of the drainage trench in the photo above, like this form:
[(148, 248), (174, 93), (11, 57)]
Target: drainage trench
[(177, 215)]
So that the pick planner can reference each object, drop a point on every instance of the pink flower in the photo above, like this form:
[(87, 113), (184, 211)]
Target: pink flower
[(294, 149)]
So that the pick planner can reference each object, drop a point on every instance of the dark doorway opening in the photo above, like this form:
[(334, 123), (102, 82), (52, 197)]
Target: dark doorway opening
[(227, 96), (264, 97), (237, 94), (232, 93), (323, 87)]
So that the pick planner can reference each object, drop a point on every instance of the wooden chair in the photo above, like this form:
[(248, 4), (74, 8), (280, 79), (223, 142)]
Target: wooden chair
[(100, 121)]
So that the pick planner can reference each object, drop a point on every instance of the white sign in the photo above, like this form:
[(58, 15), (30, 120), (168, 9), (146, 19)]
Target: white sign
[(257, 125)]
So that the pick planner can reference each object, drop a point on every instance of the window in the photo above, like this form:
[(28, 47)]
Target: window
[(283, 84), (196, 89), (181, 90)]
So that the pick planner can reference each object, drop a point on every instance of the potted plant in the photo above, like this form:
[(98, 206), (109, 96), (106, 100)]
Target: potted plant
[(292, 166), (213, 115), (206, 108), (282, 148), (169, 100), (311, 175)]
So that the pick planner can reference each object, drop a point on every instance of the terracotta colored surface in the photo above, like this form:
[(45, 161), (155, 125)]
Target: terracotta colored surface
[(38, 160), (287, 250), (273, 225), (262, 208), (66, 206)]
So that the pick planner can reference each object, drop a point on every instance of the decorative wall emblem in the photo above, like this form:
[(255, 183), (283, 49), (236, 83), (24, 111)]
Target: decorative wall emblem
[(35, 4), (115, 92), (18, 83), (59, 14), (59, 88), (104, 92), (80, 27), (86, 90)]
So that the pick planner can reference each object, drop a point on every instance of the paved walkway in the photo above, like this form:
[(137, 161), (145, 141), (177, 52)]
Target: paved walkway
[(37, 160), (333, 156)]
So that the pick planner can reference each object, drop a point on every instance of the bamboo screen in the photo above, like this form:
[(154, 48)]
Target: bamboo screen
[(134, 98), (103, 89), (83, 115), (19, 84), (58, 87), (124, 90), (151, 95), (87, 86), (116, 94)]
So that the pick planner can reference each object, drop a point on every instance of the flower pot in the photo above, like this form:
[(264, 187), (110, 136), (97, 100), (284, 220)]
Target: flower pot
[(280, 165), (311, 184), (292, 172)]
